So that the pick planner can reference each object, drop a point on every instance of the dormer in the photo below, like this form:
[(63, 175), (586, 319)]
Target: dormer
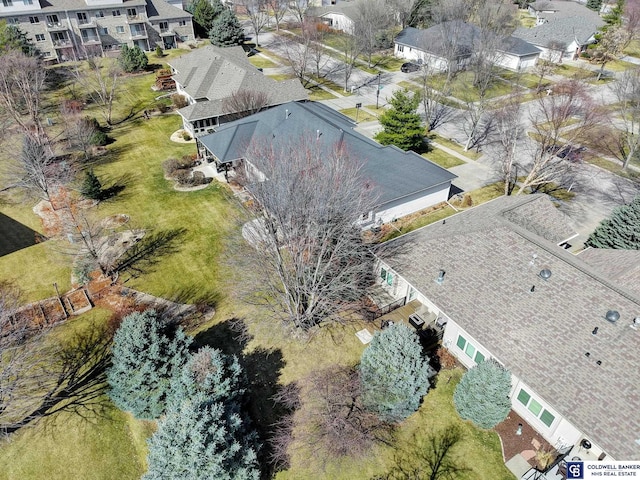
[(97, 3)]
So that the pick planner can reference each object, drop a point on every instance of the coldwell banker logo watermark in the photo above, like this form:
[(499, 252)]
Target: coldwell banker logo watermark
[(575, 470), (602, 470)]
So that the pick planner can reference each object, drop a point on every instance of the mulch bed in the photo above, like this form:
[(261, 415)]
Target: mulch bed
[(513, 444)]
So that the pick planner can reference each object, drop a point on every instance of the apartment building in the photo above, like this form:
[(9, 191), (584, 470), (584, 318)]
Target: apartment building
[(64, 30)]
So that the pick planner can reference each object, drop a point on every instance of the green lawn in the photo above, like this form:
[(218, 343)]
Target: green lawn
[(259, 61), (387, 62), (526, 80), (453, 145), (359, 114), (633, 50), (325, 82), (316, 94), (442, 158), (415, 221), (526, 19), (461, 87), (281, 76), (570, 71)]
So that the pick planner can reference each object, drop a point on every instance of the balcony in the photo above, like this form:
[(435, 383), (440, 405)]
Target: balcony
[(88, 23), (62, 43), (166, 32), (57, 26), (136, 18), (138, 33)]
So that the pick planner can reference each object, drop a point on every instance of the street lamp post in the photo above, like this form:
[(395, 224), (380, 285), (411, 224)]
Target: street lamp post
[(378, 91)]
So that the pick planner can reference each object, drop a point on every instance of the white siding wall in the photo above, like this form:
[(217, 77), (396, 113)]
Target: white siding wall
[(414, 203), (418, 56), (339, 22)]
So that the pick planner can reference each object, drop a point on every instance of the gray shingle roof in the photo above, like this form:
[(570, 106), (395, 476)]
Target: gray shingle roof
[(541, 336), (57, 6), (212, 74), (348, 9), (395, 173), (621, 266), (563, 9), (560, 31), (431, 40), (161, 10)]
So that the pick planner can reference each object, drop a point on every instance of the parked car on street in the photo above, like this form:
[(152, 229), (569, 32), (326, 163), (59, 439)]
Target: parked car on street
[(409, 67)]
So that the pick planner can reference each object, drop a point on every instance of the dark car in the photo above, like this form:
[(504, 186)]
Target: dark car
[(409, 67), (573, 154)]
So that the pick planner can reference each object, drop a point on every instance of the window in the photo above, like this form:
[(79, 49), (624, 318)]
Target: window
[(119, 29), (164, 26), (383, 274), (34, 20), (131, 12), (469, 349), (104, 31), (534, 407), (46, 54), (27, 2), (100, 14), (389, 278), (13, 21), (401, 48), (82, 17), (115, 13), (182, 23), (7, 3), (53, 20), (39, 37)]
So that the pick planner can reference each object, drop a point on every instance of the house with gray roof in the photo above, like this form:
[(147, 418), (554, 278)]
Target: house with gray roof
[(563, 29), (64, 30), (453, 44), (208, 77), (337, 15), (404, 182), (502, 286)]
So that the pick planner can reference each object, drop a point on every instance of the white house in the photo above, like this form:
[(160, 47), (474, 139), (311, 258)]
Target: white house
[(208, 77), (563, 29), (404, 182), (453, 43), (337, 15), (503, 287)]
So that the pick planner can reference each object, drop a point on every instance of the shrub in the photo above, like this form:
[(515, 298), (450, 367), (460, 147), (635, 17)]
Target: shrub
[(132, 59), (159, 52), (186, 136), (162, 107), (446, 359), (394, 374), (91, 186), (183, 177), (482, 395), (179, 101), (170, 166), (146, 352)]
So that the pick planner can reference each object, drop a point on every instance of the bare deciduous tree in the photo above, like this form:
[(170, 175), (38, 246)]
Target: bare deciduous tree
[(541, 69), (99, 77), (299, 8), (477, 124), (561, 121), (351, 49), (279, 9), (508, 129), (245, 102), (402, 10), (308, 248), (39, 376), (298, 54), (258, 13), (21, 82), (624, 141), (371, 17), (80, 132), (433, 101)]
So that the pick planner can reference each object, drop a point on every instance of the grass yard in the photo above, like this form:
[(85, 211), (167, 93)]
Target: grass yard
[(570, 71), (461, 87), (325, 82), (316, 94), (108, 446), (387, 62), (259, 61), (453, 145), (526, 80), (442, 158), (614, 167), (633, 50), (358, 114), (281, 76)]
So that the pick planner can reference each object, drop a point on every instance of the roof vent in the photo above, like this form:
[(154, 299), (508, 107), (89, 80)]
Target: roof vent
[(612, 315), (533, 288), (594, 331), (286, 113), (636, 323), (440, 278), (598, 362), (587, 354), (545, 274)]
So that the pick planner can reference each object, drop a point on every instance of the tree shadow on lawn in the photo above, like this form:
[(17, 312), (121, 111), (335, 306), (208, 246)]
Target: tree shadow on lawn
[(262, 368), (144, 255)]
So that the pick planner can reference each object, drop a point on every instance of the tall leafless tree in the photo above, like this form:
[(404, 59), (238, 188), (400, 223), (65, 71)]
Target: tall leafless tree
[(433, 101), (279, 9), (401, 10), (100, 79), (560, 122), (477, 123), (39, 376), (350, 48), (371, 18), (258, 13), (298, 54), (300, 8), (245, 102), (308, 249), (22, 79), (508, 131), (607, 48), (623, 140)]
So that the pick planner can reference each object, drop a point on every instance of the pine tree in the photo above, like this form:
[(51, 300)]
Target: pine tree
[(146, 354), (594, 5), (199, 439), (205, 12), (394, 374), (226, 30), (132, 59), (91, 187), (401, 124), (621, 230), (12, 38), (482, 395)]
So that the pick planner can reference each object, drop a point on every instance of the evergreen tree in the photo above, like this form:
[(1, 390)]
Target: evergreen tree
[(159, 52), (394, 374), (401, 124), (211, 372), (621, 230), (482, 395), (421, 14), (199, 439), (226, 30), (132, 59), (594, 5), (91, 187), (205, 12), (146, 354), (12, 38)]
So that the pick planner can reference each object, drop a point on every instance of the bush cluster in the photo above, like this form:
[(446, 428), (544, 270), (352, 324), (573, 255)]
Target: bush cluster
[(179, 101), (180, 171)]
